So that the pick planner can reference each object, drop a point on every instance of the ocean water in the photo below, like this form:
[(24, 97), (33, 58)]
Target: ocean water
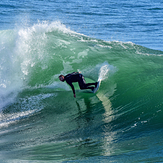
[(118, 41)]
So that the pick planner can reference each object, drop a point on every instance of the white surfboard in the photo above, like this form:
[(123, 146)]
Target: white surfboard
[(97, 87)]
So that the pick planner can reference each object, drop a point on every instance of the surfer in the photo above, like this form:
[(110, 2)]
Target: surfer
[(77, 77)]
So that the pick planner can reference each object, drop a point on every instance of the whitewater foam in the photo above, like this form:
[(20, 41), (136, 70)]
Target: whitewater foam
[(106, 70)]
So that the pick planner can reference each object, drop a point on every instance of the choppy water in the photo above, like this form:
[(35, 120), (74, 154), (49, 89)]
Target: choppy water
[(40, 120)]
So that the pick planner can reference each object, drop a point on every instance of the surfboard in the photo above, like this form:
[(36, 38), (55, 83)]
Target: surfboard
[(97, 87)]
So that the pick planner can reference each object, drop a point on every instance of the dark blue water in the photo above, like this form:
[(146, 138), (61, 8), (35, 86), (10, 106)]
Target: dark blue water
[(118, 41), (137, 21)]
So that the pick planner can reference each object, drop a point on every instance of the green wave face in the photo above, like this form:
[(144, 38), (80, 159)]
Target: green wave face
[(42, 112)]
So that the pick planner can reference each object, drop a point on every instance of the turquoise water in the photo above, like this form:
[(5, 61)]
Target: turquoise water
[(41, 121)]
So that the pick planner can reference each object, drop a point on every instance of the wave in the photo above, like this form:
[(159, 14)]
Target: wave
[(129, 99), (36, 55)]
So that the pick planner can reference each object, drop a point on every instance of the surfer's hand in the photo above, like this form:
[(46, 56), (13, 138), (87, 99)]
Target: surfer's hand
[(75, 95)]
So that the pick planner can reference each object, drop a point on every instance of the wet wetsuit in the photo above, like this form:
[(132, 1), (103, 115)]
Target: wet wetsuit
[(77, 77)]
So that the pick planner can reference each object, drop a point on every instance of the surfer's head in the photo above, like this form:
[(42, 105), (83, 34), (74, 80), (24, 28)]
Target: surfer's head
[(61, 78)]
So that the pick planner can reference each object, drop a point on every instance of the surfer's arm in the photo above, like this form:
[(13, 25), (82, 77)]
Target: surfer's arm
[(73, 89)]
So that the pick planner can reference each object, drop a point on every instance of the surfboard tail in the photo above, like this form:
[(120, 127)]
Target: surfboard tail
[(97, 87)]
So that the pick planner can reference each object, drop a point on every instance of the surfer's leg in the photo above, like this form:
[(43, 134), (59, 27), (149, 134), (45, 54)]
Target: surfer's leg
[(88, 84), (84, 85)]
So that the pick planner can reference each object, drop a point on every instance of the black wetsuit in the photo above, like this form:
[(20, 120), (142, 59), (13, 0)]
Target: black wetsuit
[(77, 77)]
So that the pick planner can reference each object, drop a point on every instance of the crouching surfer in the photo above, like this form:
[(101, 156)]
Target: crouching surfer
[(77, 77)]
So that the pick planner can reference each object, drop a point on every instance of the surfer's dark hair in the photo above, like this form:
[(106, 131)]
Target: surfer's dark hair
[(61, 76)]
